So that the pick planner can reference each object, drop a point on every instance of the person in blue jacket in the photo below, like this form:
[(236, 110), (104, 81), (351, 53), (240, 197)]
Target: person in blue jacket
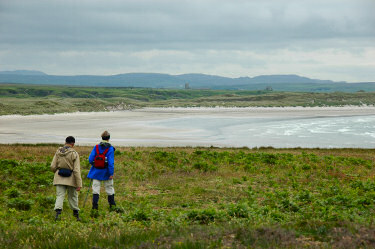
[(104, 173)]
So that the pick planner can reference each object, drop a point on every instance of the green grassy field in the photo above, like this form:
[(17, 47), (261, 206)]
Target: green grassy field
[(32, 99), (197, 198)]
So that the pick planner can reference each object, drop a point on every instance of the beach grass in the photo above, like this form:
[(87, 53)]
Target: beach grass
[(33, 99), (196, 198)]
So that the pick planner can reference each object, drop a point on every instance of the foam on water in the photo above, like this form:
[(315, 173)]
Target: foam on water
[(329, 132)]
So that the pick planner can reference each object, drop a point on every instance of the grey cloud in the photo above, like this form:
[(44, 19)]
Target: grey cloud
[(182, 24), (231, 38)]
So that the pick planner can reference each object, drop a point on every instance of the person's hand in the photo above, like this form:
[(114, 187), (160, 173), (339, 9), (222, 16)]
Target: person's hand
[(78, 189), (111, 177)]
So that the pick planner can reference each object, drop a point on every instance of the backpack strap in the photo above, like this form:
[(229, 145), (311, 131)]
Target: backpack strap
[(104, 152)]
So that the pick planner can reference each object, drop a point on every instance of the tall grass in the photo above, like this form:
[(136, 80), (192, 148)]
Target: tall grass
[(197, 198)]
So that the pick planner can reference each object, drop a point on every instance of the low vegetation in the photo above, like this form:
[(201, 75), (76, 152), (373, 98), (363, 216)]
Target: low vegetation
[(32, 99), (197, 198)]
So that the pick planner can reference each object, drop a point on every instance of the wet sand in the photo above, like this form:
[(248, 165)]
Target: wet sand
[(137, 127)]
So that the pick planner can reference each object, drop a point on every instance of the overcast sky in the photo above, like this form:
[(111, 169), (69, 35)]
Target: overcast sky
[(325, 39)]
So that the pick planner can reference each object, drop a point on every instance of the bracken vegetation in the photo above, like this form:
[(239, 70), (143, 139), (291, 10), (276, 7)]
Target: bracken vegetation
[(197, 198), (32, 99)]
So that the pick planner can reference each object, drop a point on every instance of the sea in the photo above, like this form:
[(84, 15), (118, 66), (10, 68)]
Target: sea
[(204, 128), (278, 132)]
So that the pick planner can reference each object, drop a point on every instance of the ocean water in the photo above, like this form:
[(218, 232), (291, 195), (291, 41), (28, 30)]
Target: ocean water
[(307, 128), (311, 132)]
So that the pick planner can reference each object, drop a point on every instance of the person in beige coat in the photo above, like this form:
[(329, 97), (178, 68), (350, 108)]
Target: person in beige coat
[(66, 166)]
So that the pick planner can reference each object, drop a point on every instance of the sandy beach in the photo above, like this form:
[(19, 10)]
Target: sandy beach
[(149, 126), (268, 111)]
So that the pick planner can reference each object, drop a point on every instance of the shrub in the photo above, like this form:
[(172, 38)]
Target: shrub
[(236, 181), (41, 180), (269, 158), (204, 166), (12, 192), (160, 156), (45, 201), (138, 215), (7, 164), (20, 203), (306, 166), (204, 216), (239, 210), (304, 196)]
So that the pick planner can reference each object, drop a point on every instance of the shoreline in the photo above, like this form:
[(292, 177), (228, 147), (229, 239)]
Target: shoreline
[(279, 127), (187, 147), (365, 110)]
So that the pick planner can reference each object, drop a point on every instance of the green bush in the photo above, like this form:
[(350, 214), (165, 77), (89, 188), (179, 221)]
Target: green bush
[(139, 215), (239, 210), (7, 164), (45, 201), (20, 203), (204, 166), (204, 216), (12, 192)]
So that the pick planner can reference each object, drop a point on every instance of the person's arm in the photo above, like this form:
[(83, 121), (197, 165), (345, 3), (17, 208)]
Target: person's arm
[(77, 171), (92, 156), (54, 164), (111, 162)]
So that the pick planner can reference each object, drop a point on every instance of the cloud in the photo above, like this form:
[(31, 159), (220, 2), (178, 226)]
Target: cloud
[(182, 24), (211, 36)]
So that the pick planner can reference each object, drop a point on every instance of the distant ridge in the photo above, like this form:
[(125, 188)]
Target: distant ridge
[(23, 72), (196, 81)]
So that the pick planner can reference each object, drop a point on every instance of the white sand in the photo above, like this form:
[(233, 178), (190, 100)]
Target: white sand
[(136, 128)]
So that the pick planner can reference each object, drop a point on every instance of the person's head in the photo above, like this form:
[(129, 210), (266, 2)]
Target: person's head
[(70, 141), (106, 136)]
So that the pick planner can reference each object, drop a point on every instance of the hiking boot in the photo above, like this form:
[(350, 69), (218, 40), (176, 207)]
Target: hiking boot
[(112, 205), (58, 212), (76, 214), (111, 201), (95, 201)]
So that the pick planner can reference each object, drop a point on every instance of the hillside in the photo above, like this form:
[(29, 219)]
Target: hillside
[(293, 83)]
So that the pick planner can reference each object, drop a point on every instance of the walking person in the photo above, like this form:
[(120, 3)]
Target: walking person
[(66, 166), (101, 171)]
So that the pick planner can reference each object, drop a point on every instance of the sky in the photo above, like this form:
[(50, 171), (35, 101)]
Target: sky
[(321, 39)]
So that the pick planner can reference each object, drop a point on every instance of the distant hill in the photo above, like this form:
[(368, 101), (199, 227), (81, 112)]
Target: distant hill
[(196, 81), (23, 72), (290, 78)]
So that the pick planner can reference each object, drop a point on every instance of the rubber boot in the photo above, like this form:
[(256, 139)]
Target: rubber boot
[(94, 210), (58, 212), (111, 201), (112, 204), (95, 201), (76, 214)]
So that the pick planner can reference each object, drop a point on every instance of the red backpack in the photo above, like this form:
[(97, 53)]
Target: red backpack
[(100, 159)]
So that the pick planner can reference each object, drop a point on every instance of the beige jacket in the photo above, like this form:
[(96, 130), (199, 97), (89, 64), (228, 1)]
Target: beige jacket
[(66, 157)]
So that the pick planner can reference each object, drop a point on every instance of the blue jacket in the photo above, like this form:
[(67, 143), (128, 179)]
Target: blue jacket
[(102, 174)]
